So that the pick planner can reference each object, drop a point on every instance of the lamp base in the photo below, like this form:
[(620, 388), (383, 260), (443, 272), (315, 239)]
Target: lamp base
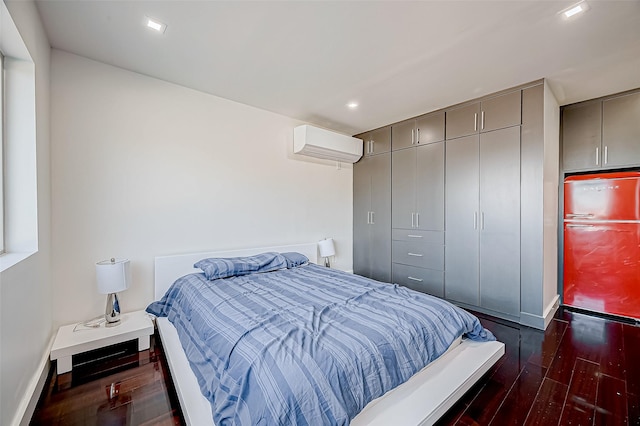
[(112, 311)]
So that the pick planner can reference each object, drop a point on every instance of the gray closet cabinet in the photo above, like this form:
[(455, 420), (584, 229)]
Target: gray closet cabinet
[(372, 217), (482, 244), (494, 113), (621, 130), (418, 187), (582, 136), (418, 217), (601, 133), (426, 129), (377, 141)]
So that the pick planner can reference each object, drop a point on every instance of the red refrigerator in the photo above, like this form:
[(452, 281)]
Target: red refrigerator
[(602, 243)]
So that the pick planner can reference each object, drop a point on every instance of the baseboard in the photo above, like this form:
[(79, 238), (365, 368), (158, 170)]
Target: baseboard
[(551, 309), (541, 321), (34, 389)]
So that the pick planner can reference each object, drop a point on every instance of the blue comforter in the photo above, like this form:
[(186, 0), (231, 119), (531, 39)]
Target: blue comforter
[(307, 345)]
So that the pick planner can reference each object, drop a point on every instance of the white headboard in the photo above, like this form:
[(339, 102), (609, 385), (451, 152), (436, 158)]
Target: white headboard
[(170, 268)]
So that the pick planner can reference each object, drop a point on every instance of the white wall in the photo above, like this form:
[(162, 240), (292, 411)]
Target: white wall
[(25, 288), (142, 167)]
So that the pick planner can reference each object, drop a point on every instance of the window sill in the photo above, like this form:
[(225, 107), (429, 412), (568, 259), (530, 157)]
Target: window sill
[(8, 260)]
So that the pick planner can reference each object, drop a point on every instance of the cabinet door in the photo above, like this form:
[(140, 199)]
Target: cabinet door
[(430, 128), (430, 187), (380, 254), (621, 131), (581, 136), (462, 121), (501, 111), (403, 134), (500, 220), (462, 205), (380, 141), (403, 192), (362, 171)]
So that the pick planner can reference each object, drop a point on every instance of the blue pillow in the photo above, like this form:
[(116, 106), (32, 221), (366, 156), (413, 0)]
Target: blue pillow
[(215, 268), (295, 259)]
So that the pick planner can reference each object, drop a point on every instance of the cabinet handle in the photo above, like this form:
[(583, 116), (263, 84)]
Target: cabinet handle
[(412, 140), (475, 220), (482, 220), (414, 236), (606, 154), (415, 254), (475, 121), (373, 218), (413, 218), (368, 218), (417, 135), (578, 225), (373, 146), (414, 279), (482, 121), (417, 220), (597, 155)]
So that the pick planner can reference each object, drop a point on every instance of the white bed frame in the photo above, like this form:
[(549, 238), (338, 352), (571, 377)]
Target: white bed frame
[(422, 400)]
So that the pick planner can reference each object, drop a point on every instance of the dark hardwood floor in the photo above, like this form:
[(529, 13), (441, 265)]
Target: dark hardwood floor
[(583, 370), (123, 387)]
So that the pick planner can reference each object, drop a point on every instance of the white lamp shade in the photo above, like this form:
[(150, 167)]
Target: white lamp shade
[(327, 248), (113, 275)]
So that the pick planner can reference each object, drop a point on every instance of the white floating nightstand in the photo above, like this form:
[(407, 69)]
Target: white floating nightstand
[(134, 325)]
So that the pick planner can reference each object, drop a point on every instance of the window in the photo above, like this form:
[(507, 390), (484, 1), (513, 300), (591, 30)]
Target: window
[(18, 165)]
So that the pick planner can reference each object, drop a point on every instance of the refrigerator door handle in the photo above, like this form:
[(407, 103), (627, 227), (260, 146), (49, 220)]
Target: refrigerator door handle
[(579, 225), (579, 215)]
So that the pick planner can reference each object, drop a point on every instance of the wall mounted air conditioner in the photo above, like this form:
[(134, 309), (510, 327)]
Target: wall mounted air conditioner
[(321, 143)]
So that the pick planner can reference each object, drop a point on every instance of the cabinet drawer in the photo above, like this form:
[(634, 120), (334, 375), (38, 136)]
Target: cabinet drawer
[(427, 237), (427, 281), (418, 253)]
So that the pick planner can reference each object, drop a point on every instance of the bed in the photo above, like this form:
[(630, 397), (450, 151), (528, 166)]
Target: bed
[(421, 399)]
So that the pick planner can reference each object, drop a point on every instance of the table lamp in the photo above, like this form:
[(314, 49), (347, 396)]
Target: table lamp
[(112, 276), (327, 249)]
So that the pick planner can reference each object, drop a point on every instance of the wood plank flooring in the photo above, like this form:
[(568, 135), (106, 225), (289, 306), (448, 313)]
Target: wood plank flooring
[(582, 370), (124, 387)]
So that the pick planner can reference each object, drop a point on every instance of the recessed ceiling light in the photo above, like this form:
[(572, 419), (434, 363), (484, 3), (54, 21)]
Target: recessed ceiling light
[(156, 25), (575, 9), (352, 105)]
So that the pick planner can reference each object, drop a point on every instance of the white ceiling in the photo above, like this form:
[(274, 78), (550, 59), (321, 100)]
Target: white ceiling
[(307, 59)]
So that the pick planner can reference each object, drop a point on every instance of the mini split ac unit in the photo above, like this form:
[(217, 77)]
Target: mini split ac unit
[(325, 144)]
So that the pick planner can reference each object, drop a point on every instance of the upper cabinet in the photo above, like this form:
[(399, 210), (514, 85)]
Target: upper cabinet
[(376, 141), (621, 130), (582, 136), (601, 133), (425, 129), (491, 114)]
